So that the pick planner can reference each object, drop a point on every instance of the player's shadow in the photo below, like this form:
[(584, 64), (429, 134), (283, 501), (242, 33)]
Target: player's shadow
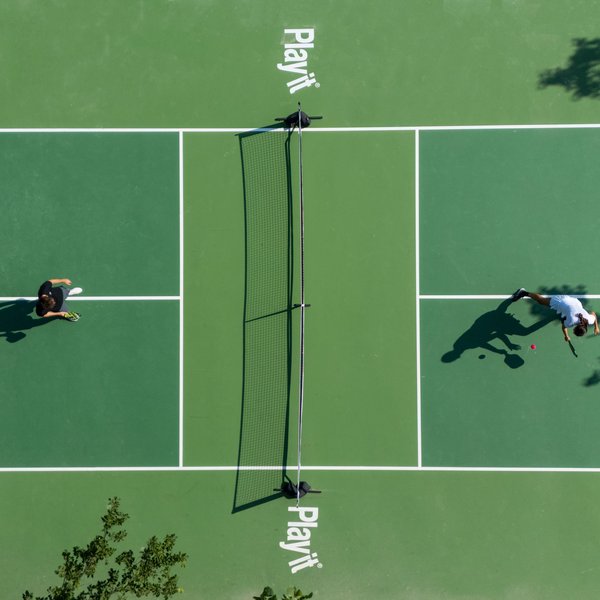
[(581, 75), (593, 379), (495, 326), (16, 319)]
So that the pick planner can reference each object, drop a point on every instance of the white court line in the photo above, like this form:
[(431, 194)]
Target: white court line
[(181, 299), (493, 296), (464, 296), (392, 128), (330, 468), (375, 468), (95, 298), (456, 127), (417, 302)]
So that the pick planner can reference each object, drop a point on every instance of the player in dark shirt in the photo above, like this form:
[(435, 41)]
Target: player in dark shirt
[(51, 300)]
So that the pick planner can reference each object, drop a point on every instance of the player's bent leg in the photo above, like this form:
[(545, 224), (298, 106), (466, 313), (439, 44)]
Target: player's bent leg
[(539, 298)]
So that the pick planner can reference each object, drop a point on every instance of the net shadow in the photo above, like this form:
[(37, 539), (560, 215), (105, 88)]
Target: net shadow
[(264, 427)]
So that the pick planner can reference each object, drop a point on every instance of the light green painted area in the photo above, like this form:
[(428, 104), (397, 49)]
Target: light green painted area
[(360, 279), (399, 535), (478, 411), (504, 209), (214, 298), (205, 64), (360, 328), (100, 209)]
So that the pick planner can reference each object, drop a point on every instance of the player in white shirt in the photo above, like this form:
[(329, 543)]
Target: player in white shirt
[(571, 312)]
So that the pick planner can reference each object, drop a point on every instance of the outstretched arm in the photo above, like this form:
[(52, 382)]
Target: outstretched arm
[(507, 342), (596, 328), (565, 331), (490, 348), (55, 314), (65, 281)]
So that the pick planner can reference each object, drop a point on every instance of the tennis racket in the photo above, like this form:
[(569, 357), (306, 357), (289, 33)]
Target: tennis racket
[(72, 316)]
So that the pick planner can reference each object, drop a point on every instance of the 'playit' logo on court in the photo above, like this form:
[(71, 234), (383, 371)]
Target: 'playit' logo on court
[(298, 538), (295, 58)]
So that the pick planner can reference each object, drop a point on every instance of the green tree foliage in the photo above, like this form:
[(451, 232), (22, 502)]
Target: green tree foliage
[(290, 594), (148, 574)]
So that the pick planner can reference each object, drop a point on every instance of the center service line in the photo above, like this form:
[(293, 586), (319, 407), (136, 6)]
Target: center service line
[(418, 296)]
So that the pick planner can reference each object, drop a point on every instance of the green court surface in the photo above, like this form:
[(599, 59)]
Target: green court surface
[(456, 161), (478, 411), (101, 392), (79, 203), (497, 207), (428, 535)]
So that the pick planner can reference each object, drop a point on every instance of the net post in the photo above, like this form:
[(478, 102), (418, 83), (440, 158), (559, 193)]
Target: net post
[(302, 304), (299, 120)]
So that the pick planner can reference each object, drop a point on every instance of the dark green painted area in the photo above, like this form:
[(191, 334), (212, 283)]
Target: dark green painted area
[(503, 209), (102, 391), (481, 409), (417, 536), (200, 63), (100, 209), (360, 329)]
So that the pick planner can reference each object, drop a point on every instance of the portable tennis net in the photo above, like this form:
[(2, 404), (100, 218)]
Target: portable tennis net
[(268, 305)]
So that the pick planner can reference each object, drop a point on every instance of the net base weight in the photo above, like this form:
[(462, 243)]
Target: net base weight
[(290, 490)]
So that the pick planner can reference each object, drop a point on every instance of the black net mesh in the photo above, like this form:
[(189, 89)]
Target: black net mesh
[(267, 314)]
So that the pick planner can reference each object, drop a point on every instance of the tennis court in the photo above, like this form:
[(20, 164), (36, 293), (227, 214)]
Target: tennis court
[(140, 157)]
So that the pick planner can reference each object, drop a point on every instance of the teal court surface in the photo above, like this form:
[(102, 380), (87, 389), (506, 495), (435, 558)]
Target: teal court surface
[(452, 434)]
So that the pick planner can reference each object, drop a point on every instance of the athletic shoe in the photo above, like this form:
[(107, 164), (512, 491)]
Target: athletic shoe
[(74, 291), (72, 316), (520, 293)]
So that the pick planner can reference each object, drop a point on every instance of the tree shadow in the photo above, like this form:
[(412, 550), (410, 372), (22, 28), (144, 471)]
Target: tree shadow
[(581, 76), (15, 319), (497, 325)]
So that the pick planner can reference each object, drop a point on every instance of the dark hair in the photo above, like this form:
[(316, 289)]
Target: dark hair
[(47, 302), (581, 328)]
